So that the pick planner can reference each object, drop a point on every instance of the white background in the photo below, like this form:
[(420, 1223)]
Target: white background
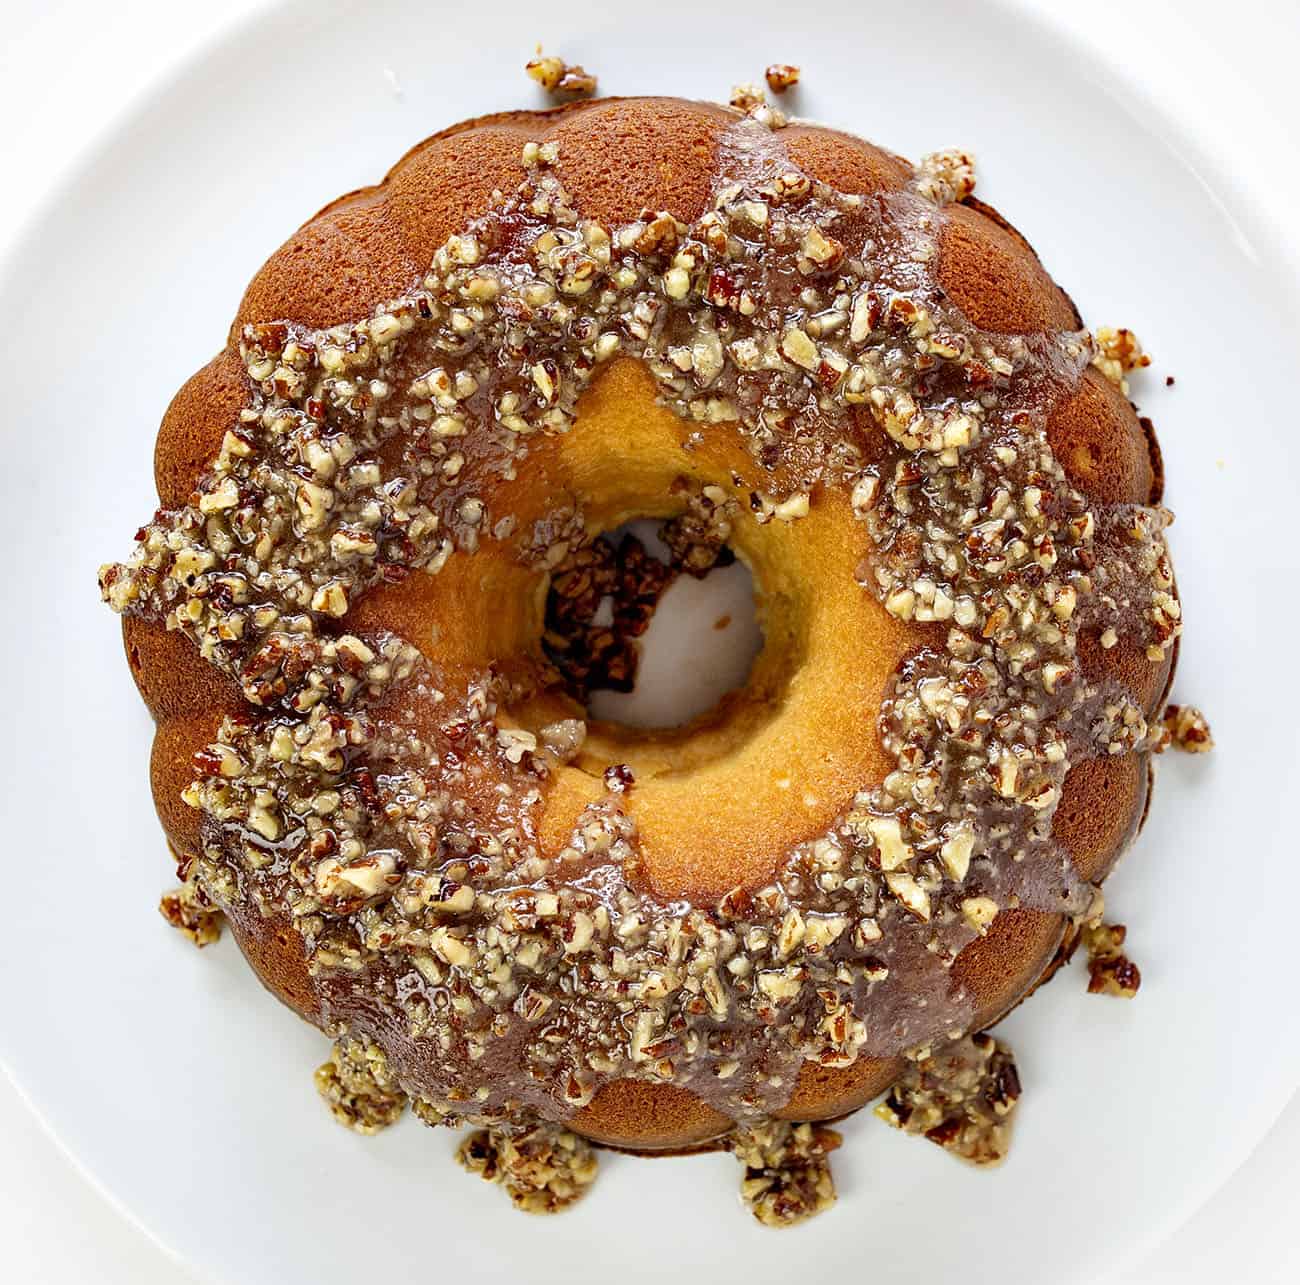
[(66, 69)]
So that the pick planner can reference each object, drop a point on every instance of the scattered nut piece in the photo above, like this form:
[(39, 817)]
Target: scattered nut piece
[(1118, 352), (781, 76), (358, 1088), (961, 1097), (544, 1169), (946, 177), (747, 97), (1186, 729), (189, 910), (561, 79), (1110, 971), (787, 1170)]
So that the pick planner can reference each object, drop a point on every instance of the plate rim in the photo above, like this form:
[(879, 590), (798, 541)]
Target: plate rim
[(1225, 176)]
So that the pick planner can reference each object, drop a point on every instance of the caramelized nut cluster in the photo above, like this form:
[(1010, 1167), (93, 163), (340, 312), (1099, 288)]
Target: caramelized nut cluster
[(543, 1168), (781, 76), (189, 910), (787, 1173), (1118, 351), (1185, 728), (561, 79), (1110, 970), (358, 1088), (960, 1096)]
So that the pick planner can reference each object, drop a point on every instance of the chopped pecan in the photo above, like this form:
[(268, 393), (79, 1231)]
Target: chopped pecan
[(787, 1170), (358, 1087), (189, 910), (544, 1168), (781, 76), (1110, 971), (562, 79), (961, 1097), (1185, 728)]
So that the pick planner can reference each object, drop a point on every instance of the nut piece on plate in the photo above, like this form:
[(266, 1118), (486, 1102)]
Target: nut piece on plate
[(946, 177), (787, 1170), (358, 1088), (189, 910), (1186, 729), (1117, 352), (781, 76), (747, 97), (544, 1169), (1110, 970), (961, 1097), (562, 79)]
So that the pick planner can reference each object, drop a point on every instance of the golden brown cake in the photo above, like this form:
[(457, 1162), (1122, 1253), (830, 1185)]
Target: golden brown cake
[(436, 394)]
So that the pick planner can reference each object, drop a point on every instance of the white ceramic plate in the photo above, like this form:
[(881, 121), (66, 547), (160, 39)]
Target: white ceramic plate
[(186, 1090)]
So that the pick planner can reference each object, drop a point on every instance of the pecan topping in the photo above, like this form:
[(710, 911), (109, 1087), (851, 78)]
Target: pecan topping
[(787, 1170), (781, 76), (960, 1096), (358, 1087), (189, 910), (1110, 971), (544, 1169), (1185, 728), (561, 79)]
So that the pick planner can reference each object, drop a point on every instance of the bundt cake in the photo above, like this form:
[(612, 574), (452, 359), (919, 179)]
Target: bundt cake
[(435, 396)]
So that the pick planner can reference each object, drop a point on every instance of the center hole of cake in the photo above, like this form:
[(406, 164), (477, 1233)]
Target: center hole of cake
[(650, 630)]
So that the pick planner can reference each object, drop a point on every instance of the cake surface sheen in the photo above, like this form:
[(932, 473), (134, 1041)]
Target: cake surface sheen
[(440, 390)]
